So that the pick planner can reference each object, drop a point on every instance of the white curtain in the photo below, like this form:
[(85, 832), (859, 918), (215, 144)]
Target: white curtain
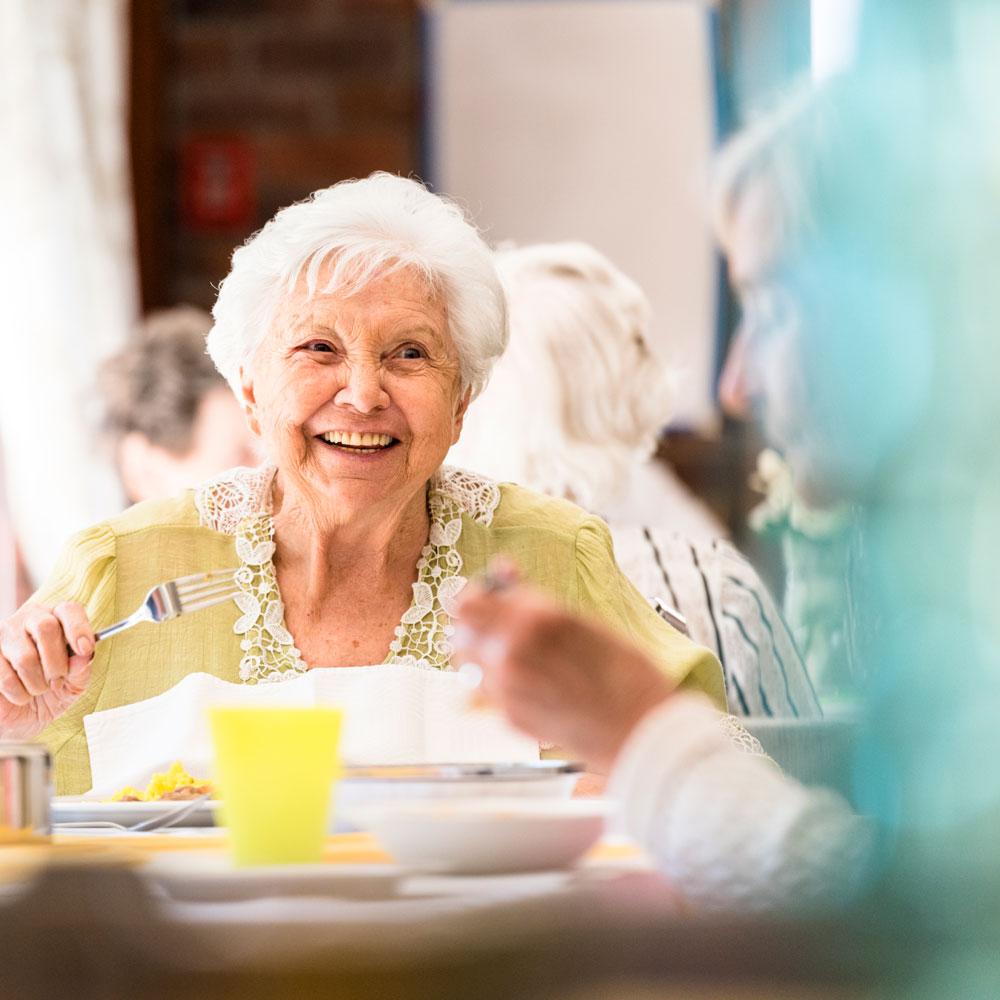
[(8, 555), (66, 258)]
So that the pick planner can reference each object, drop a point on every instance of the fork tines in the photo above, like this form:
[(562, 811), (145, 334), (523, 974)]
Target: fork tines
[(176, 597), (201, 590)]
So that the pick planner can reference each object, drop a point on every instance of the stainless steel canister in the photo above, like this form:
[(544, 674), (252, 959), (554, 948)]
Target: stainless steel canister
[(25, 789)]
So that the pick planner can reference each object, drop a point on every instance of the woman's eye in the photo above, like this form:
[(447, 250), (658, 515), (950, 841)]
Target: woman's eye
[(319, 346), (410, 353)]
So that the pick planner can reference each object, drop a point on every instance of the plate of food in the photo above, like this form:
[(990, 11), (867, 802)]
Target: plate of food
[(536, 779), (165, 791), (83, 809)]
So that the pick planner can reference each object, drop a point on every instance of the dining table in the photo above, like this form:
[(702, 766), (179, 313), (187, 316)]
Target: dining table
[(99, 913)]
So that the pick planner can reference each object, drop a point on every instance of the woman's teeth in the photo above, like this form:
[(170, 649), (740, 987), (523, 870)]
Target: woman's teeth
[(366, 442)]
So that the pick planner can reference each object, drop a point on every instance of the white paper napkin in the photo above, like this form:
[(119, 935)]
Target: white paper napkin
[(392, 715)]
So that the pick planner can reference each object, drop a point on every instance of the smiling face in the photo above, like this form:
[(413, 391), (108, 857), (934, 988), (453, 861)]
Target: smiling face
[(357, 397)]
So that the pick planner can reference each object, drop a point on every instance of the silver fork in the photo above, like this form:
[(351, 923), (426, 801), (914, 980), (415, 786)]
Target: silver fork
[(160, 822), (178, 597), (171, 817)]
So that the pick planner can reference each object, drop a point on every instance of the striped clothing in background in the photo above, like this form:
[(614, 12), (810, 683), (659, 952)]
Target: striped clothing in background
[(728, 610)]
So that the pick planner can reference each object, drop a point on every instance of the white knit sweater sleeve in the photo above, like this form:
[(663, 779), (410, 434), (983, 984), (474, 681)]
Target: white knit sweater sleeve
[(727, 828)]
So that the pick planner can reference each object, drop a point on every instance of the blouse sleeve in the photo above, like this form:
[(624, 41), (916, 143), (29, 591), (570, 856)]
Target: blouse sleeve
[(727, 828), (85, 572), (603, 591)]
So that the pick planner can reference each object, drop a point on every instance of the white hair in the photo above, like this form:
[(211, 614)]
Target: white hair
[(788, 143), (578, 397), (362, 229)]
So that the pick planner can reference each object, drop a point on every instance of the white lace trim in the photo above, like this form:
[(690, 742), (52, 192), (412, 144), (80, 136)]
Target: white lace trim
[(225, 502), (736, 734), (238, 503)]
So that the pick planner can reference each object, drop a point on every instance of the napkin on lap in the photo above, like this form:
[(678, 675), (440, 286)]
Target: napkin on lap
[(392, 715)]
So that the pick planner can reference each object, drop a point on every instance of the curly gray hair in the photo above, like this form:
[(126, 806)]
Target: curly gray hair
[(362, 229)]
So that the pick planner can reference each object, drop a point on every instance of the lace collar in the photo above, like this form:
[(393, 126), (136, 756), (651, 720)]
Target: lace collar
[(238, 503)]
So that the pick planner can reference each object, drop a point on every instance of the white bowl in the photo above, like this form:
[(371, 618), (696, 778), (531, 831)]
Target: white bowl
[(484, 835), (539, 779)]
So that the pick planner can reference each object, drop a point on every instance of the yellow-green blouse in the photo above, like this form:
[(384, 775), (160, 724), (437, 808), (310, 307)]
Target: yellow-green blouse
[(227, 523)]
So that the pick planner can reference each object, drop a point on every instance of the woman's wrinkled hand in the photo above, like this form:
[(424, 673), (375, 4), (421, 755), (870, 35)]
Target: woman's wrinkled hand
[(555, 676), (39, 676)]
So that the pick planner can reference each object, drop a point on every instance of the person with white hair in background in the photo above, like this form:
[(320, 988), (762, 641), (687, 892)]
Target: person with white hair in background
[(355, 329), (576, 404), (574, 408)]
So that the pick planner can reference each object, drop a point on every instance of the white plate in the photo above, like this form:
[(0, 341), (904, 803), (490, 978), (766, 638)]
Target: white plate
[(478, 836), (83, 809), (359, 785), (191, 875)]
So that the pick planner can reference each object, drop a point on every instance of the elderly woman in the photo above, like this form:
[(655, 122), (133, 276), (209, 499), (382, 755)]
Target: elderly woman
[(355, 329)]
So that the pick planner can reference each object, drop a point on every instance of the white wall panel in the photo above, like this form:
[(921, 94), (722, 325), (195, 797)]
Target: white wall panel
[(592, 120)]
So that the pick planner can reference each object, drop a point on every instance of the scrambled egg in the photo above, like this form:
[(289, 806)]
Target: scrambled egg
[(175, 783)]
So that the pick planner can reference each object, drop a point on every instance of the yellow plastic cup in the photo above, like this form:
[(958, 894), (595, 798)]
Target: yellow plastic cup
[(275, 769)]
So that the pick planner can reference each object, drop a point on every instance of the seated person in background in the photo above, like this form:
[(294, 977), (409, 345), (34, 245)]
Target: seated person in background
[(727, 828), (355, 330), (575, 405), (171, 418), (573, 408)]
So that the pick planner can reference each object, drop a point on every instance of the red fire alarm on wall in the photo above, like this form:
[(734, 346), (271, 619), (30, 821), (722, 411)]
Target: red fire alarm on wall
[(217, 184)]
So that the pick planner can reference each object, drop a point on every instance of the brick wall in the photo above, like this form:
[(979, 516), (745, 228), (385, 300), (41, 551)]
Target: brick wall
[(307, 92)]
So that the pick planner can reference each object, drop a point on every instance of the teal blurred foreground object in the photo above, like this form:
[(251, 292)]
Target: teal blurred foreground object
[(896, 276)]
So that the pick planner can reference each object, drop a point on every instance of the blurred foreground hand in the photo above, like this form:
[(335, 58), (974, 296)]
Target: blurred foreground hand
[(554, 675)]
